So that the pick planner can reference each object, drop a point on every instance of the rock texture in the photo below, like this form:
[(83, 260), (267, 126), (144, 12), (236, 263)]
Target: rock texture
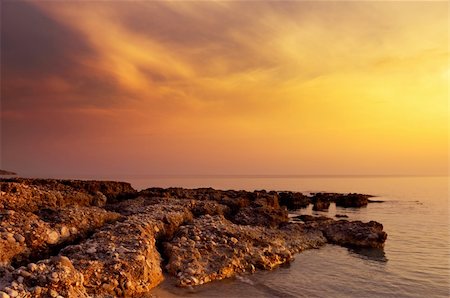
[(29, 236), (212, 248), (71, 238)]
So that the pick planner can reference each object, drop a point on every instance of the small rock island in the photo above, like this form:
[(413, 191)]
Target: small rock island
[(73, 238)]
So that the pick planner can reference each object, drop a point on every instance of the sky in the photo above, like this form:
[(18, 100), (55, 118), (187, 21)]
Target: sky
[(224, 87)]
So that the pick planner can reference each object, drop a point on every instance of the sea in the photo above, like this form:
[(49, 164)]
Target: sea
[(415, 261)]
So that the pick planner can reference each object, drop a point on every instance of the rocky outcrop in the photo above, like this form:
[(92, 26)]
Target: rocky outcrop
[(75, 238)]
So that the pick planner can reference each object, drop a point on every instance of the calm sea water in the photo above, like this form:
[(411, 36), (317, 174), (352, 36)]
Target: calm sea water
[(414, 262)]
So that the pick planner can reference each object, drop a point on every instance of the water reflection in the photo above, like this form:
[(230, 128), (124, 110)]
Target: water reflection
[(373, 254)]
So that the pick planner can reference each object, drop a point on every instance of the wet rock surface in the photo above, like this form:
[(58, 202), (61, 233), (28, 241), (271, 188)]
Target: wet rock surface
[(72, 238)]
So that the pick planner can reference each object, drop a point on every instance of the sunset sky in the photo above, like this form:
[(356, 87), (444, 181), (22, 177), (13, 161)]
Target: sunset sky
[(224, 87)]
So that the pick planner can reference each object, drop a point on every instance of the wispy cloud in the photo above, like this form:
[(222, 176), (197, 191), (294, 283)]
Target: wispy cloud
[(306, 75)]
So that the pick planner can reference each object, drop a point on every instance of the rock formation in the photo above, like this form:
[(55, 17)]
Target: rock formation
[(71, 238), (7, 173)]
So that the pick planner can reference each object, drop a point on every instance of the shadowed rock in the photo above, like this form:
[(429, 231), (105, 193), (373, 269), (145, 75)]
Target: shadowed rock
[(294, 200)]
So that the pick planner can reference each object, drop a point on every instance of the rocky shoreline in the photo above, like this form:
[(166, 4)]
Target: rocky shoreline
[(72, 238)]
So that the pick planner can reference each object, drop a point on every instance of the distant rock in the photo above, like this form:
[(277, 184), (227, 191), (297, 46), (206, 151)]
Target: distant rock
[(7, 173), (351, 200)]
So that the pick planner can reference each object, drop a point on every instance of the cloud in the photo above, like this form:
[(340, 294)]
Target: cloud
[(290, 79)]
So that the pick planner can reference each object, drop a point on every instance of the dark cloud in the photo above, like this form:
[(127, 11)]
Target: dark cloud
[(33, 43), (43, 63)]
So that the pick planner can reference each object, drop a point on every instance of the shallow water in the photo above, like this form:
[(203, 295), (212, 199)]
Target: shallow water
[(414, 262)]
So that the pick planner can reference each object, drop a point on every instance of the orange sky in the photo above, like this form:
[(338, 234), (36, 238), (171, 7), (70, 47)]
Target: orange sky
[(225, 87)]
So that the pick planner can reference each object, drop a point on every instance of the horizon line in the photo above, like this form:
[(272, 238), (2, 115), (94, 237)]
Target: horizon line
[(166, 176)]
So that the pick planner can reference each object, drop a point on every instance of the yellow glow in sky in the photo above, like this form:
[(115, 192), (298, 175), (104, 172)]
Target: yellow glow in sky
[(260, 87)]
